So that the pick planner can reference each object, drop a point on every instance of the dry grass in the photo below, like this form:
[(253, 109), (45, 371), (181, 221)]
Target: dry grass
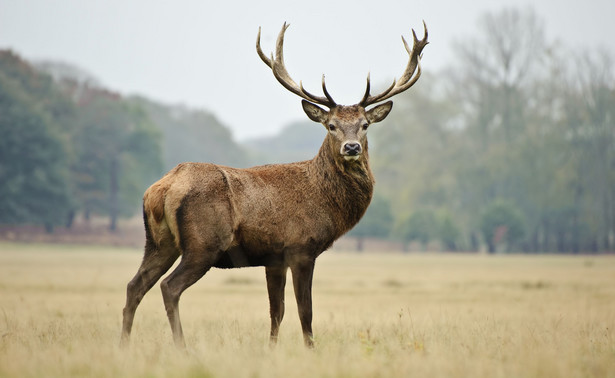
[(375, 315)]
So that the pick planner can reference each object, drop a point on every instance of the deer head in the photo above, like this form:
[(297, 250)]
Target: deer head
[(347, 125)]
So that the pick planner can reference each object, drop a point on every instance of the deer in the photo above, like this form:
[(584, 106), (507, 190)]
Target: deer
[(280, 216)]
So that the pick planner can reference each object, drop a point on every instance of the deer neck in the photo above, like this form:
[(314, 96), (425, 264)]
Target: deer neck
[(347, 185)]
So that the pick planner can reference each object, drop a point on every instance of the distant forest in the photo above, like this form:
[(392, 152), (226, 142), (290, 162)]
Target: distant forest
[(71, 146), (512, 148)]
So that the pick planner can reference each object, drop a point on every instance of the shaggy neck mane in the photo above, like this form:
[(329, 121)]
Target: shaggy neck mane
[(347, 185)]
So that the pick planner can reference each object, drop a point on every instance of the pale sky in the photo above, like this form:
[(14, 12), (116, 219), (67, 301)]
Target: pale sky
[(202, 53)]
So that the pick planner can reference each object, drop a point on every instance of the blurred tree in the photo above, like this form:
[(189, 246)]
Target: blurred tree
[(421, 226), (415, 149), (448, 232), (494, 72), (522, 124), (518, 125), (502, 225), (589, 109), (295, 142), (192, 135), (33, 152), (495, 83), (118, 153), (376, 223)]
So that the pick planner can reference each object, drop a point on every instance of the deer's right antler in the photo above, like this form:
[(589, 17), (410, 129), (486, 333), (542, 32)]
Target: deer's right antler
[(408, 78), (281, 74)]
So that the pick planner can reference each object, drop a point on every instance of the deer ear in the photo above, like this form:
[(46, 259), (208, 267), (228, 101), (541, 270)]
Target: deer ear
[(379, 112), (315, 113)]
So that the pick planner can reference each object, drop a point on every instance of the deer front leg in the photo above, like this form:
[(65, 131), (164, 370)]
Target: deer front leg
[(276, 281), (302, 282)]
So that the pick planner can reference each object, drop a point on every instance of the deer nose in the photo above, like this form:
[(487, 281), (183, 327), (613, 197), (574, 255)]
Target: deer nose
[(352, 148)]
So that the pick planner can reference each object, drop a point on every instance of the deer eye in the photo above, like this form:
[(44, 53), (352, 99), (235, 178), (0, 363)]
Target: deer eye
[(331, 127), (365, 125)]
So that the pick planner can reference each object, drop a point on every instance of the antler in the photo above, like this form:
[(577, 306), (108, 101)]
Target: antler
[(279, 71), (407, 79)]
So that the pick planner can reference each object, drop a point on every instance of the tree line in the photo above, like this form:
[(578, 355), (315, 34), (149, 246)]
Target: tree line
[(511, 148), (70, 146)]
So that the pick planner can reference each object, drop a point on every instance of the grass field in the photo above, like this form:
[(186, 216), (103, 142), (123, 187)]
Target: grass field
[(375, 315)]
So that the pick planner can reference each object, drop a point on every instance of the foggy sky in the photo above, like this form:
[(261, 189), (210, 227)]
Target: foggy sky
[(202, 53)]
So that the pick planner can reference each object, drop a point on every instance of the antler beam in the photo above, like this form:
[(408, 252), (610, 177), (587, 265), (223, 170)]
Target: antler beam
[(276, 63), (407, 79)]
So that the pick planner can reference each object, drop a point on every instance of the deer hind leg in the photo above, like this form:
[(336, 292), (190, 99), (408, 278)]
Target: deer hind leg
[(190, 269), (302, 272), (202, 243), (276, 281), (156, 261)]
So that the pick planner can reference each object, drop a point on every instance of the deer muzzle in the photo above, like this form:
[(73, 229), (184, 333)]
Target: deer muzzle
[(351, 150)]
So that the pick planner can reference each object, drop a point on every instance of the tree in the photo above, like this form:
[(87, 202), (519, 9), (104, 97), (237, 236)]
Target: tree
[(33, 153), (499, 83), (118, 153), (415, 151), (494, 72), (297, 141), (191, 135), (590, 121), (448, 232), (376, 222), (521, 123), (421, 226), (502, 225)]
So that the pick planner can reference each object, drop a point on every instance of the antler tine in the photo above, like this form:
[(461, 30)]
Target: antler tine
[(367, 96), (367, 89), (408, 78), (259, 51), (281, 74), (325, 91)]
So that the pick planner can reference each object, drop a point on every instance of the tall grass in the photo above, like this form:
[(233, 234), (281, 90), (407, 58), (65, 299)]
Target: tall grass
[(375, 315)]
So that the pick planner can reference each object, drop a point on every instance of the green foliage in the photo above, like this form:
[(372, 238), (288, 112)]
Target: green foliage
[(502, 224), (512, 123), (449, 233), (33, 162), (426, 225), (421, 226), (67, 147), (377, 221), (515, 137), (118, 154)]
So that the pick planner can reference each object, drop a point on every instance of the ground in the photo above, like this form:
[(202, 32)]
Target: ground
[(375, 315)]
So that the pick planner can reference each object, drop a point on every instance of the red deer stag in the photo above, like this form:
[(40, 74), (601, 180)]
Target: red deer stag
[(277, 216)]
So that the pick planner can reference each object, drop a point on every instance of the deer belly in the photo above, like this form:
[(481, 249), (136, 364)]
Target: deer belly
[(237, 257)]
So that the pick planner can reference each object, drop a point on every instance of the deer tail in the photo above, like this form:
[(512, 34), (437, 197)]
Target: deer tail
[(153, 210)]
